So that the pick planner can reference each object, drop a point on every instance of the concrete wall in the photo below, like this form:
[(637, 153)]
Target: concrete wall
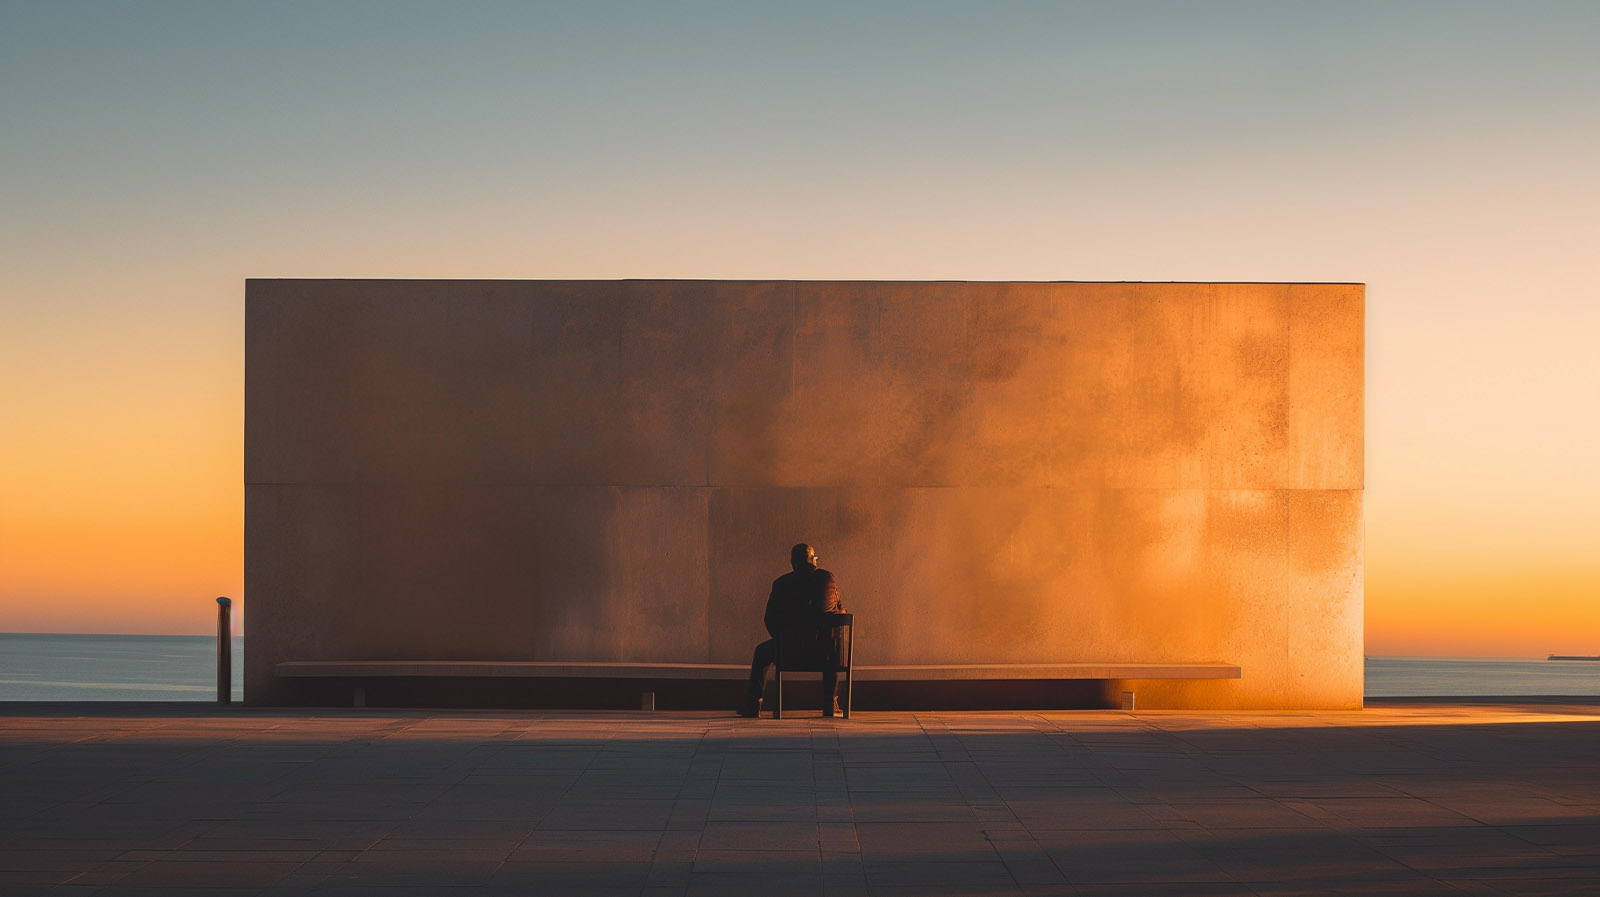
[(997, 472)]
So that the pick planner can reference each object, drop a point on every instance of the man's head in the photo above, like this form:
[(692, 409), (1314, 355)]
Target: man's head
[(803, 557)]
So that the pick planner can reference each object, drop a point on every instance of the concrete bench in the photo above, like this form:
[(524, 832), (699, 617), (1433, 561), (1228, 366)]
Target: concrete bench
[(643, 672), (901, 672)]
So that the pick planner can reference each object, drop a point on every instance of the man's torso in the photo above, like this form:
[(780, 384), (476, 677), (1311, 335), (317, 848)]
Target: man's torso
[(798, 600)]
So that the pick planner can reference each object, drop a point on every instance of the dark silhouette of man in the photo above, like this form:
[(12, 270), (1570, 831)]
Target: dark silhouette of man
[(794, 613)]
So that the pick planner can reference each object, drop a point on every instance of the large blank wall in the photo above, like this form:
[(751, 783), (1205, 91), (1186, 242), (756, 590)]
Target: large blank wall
[(996, 472)]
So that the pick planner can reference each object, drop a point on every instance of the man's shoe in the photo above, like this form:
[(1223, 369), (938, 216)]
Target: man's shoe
[(832, 709), (749, 711)]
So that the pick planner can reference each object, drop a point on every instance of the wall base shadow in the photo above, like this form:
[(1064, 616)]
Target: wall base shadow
[(688, 694)]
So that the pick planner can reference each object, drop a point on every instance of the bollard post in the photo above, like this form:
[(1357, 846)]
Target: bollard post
[(224, 651)]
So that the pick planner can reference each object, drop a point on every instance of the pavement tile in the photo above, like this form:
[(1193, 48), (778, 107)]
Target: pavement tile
[(55, 861), (390, 888), (1391, 811), (1407, 887), (937, 876), (1033, 869), (760, 862), (203, 874), (1091, 809), (952, 889), (1326, 788), (769, 836), (749, 884), (845, 887), (592, 846), (1263, 813), (1534, 887), (878, 807), (1163, 889), (190, 854), (1273, 857), (1128, 856), (575, 813), (163, 891), (1568, 840), (899, 779), (932, 842), (719, 811), (563, 876), (24, 880)]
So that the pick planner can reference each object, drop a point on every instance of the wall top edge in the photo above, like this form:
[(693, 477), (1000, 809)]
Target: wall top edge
[(464, 484), (1294, 283)]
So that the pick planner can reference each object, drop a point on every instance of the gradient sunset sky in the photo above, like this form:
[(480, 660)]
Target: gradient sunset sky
[(154, 155)]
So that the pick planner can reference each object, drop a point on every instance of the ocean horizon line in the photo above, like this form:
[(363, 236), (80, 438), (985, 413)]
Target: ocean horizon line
[(1464, 658)]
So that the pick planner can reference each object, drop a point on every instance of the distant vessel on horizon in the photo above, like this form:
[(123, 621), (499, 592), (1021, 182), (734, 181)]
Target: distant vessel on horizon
[(1572, 657)]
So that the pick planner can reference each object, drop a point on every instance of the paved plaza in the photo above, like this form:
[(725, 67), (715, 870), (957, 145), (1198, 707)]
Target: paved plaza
[(1404, 798)]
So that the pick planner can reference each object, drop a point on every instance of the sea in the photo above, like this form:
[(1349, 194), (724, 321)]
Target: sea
[(38, 667)]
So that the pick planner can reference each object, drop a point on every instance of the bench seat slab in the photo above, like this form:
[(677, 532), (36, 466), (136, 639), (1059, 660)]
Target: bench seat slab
[(324, 669)]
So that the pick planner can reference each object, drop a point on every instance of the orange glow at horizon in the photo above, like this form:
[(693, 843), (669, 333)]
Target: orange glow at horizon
[(120, 514), (1499, 614)]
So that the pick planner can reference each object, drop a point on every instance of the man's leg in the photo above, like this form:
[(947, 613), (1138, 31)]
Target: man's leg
[(765, 655), (830, 692)]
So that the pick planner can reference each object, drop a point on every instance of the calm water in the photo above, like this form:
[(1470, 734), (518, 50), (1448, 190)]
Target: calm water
[(183, 668), (1407, 676), (113, 667)]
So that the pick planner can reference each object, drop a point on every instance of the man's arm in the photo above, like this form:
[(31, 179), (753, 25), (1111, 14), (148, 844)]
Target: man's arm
[(773, 618), (830, 602)]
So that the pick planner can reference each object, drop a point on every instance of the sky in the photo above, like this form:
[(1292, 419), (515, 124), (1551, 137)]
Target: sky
[(154, 155)]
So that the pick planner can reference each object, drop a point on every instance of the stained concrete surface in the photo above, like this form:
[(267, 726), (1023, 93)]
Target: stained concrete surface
[(1407, 797), (613, 471)]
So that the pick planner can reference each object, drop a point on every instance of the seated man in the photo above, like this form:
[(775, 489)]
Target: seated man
[(794, 611)]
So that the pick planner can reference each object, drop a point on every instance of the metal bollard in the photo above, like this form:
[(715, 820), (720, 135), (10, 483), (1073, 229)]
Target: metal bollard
[(224, 651)]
